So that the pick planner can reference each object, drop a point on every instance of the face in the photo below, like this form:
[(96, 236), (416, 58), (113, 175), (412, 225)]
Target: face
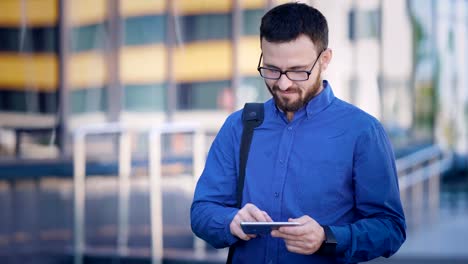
[(299, 54)]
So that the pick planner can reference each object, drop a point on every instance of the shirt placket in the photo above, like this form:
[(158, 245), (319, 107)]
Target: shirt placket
[(284, 151)]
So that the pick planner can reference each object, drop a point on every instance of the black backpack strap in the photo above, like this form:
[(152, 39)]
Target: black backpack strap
[(252, 117)]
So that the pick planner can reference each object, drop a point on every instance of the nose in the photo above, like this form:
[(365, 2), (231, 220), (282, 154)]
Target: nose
[(283, 82)]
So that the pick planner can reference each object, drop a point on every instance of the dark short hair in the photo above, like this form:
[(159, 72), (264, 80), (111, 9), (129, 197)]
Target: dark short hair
[(286, 22)]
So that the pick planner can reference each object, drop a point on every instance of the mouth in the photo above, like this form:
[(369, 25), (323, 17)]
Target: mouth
[(287, 92)]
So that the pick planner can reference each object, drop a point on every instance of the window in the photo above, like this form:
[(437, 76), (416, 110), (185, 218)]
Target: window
[(205, 27), (144, 30), (33, 39), (364, 24), (251, 22), (201, 96), (89, 37), (150, 97), (252, 89), (88, 100), (28, 101)]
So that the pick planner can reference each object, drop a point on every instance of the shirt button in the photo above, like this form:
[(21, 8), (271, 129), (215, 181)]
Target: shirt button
[(289, 128), (281, 161), (276, 194)]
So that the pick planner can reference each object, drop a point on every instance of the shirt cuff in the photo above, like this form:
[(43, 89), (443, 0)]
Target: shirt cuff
[(343, 238), (230, 238)]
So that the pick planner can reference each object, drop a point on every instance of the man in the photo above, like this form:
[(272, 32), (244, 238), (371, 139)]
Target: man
[(315, 160)]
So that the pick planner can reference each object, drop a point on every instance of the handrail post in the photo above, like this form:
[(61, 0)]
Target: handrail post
[(155, 196), (434, 190), (199, 154), (79, 172), (125, 158)]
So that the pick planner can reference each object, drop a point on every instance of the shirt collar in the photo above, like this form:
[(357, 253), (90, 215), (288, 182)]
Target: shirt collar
[(316, 105), (321, 101)]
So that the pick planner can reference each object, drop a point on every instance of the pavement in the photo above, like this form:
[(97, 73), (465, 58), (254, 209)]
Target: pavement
[(45, 218)]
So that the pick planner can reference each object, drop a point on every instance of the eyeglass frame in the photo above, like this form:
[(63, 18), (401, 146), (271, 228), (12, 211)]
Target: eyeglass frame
[(309, 72)]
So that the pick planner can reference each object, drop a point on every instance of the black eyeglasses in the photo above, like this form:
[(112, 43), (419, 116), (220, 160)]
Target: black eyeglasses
[(275, 74)]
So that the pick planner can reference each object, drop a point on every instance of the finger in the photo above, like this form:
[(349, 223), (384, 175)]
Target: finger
[(295, 243), (302, 220), (267, 217), (295, 249), (245, 236), (240, 218), (256, 213), (303, 247), (237, 231), (245, 216), (279, 234), (294, 230)]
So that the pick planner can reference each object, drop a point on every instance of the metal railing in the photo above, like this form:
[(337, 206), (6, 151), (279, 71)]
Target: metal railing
[(422, 165), (154, 134), (419, 175), (419, 180)]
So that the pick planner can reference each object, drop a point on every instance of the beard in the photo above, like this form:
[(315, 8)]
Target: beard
[(304, 95)]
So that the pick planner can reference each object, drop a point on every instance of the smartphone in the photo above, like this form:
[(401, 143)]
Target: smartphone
[(254, 228)]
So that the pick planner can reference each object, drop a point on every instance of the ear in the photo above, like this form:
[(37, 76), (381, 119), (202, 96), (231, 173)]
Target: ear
[(326, 58)]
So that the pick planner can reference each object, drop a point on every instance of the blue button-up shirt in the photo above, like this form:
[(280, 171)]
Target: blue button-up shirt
[(332, 162)]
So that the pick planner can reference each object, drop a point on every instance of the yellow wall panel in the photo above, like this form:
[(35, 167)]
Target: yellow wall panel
[(203, 61), (188, 7), (142, 7), (30, 71), (87, 69), (144, 64), (85, 12), (280, 2), (35, 12), (249, 53), (253, 4)]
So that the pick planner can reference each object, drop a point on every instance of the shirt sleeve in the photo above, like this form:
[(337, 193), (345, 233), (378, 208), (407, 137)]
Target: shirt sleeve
[(213, 206), (381, 228)]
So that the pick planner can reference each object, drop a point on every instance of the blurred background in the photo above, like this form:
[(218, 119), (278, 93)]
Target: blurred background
[(108, 107)]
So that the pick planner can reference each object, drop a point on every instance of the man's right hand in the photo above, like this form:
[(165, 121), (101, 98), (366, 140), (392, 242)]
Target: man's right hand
[(248, 213)]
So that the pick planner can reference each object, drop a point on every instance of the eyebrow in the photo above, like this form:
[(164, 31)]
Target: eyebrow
[(269, 66), (299, 67), (290, 68)]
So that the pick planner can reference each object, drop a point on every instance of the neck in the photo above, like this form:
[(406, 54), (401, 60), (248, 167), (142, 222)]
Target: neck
[(290, 116)]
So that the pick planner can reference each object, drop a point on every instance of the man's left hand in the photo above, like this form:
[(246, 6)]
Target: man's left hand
[(304, 239)]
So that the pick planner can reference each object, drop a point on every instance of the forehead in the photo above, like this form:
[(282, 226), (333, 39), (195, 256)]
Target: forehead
[(289, 54)]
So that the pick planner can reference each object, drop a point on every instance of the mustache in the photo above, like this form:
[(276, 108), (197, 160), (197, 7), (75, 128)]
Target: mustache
[(291, 90)]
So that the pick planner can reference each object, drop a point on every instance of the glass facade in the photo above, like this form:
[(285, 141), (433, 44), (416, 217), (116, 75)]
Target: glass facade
[(364, 24), (144, 30), (88, 100), (145, 97), (142, 36), (88, 37), (201, 95), (144, 43), (205, 27), (23, 52)]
